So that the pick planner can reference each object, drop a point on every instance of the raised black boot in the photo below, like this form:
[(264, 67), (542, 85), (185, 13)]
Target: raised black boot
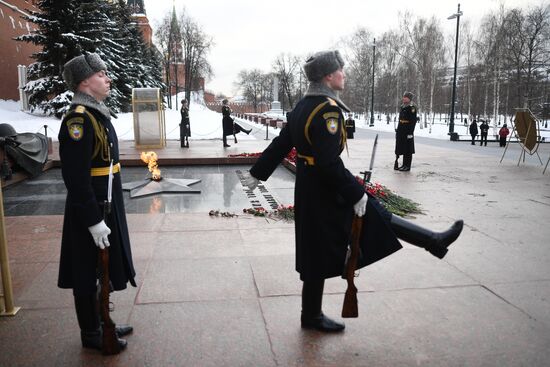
[(312, 315), (88, 320), (435, 243)]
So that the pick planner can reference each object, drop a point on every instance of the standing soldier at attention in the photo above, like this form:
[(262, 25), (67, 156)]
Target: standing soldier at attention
[(185, 127), (350, 126), (87, 145), (404, 135), (327, 195)]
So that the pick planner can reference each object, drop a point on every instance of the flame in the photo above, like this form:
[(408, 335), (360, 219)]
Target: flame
[(151, 159)]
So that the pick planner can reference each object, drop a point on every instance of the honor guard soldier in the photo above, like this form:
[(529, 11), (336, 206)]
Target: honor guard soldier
[(350, 126), (87, 145), (185, 127), (404, 136), (327, 195)]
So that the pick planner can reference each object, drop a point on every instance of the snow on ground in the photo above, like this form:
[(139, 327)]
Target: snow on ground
[(205, 124)]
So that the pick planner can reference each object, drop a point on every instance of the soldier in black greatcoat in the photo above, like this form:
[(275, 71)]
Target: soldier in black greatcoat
[(404, 136), (87, 145), (185, 125), (230, 127), (350, 126), (327, 195)]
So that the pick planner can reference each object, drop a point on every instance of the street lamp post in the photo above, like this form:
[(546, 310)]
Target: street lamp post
[(452, 117), (372, 85)]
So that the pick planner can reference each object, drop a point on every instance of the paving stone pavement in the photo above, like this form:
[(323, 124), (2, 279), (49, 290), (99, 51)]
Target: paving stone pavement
[(223, 291)]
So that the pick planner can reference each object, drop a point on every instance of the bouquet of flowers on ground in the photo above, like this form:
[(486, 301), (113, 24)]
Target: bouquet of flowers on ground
[(391, 201), (283, 212)]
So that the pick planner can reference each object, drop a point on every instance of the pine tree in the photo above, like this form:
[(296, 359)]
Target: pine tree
[(56, 23), (68, 28)]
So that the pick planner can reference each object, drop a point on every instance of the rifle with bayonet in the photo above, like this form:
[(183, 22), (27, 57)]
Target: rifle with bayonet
[(349, 308), (109, 343)]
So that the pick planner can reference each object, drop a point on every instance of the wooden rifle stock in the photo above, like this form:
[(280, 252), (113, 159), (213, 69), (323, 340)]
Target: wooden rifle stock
[(349, 308), (110, 343)]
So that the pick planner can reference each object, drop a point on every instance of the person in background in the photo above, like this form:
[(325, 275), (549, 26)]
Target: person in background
[(88, 144), (484, 130), (185, 126), (350, 126), (230, 127), (502, 134), (473, 131), (404, 135)]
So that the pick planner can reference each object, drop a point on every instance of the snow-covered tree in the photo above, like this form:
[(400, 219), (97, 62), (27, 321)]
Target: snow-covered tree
[(68, 28)]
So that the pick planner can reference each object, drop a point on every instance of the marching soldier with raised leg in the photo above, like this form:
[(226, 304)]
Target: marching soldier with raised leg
[(327, 195)]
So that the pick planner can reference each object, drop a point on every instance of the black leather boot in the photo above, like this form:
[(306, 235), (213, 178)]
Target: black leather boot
[(248, 131), (225, 145), (396, 163), (312, 315), (88, 320), (435, 243), (235, 137)]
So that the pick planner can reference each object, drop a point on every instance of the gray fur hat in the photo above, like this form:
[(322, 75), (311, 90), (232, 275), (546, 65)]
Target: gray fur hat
[(81, 67), (322, 63), (409, 95)]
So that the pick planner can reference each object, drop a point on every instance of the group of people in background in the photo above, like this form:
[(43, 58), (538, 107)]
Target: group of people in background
[(484, 131), (230, 127)]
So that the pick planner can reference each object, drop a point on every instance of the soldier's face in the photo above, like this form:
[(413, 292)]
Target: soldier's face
[(336, 80), (406, 100), (98, 85)]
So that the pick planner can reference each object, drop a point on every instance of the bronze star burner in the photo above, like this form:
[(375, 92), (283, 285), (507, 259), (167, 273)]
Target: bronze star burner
[(156, 184)]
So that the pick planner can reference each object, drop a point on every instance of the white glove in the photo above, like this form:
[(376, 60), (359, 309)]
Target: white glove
[(100, 233), (251, 181), (409, 136), (360, 207)]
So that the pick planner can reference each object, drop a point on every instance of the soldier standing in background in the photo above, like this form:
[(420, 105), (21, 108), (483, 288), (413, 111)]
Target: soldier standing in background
[(87, 145), (404, 135), (185, 127), (350, 126)]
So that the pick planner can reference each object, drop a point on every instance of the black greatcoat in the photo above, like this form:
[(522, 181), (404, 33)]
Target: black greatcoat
[(407, 123), (78, 141), (185, 125), (227, 121), (325, 192), (350, 128)]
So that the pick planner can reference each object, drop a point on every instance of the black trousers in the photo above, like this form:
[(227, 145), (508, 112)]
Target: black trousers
[(473, 139), (407, 160), (483, 138)]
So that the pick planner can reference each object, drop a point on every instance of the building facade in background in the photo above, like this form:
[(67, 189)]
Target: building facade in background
[(14, 53)]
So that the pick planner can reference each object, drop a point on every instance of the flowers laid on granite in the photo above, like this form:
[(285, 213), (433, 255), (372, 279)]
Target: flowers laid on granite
[(283, 212), (217, 213), (391, 201), (257, 154)]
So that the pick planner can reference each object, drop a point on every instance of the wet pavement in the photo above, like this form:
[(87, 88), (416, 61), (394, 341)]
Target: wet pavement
[(223, 291), (220, 189)]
